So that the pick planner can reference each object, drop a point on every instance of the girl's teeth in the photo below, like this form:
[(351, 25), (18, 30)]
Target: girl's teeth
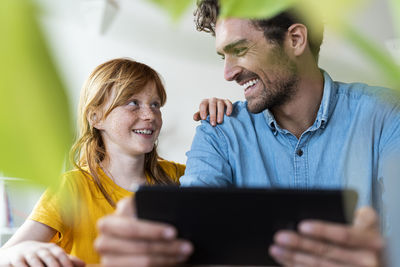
[(143, 131)]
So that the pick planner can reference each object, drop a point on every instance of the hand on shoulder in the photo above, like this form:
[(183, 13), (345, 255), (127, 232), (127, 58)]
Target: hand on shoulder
[(215, 107)]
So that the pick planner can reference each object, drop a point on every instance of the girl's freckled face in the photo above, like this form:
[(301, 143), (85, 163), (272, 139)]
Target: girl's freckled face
[(133, 127)]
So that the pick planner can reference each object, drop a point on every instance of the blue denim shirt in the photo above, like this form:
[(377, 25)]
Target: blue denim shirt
[(356, 129)]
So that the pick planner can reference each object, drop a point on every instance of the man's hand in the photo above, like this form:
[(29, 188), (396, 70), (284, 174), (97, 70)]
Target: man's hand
[(128, 241), (327, 244), (214, 107)]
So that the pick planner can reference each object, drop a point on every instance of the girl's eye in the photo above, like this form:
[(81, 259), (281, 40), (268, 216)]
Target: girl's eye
[(155, 105), (133, 103)]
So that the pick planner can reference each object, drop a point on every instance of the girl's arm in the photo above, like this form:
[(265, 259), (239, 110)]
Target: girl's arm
[(31, 230), (30, 246)]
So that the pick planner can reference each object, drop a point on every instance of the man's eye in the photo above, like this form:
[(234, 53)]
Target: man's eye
[(133, 103), (240, 51), (222, 57)]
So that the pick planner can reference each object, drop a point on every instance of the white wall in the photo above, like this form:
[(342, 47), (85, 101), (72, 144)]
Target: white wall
[(185, 58), (17, 203)]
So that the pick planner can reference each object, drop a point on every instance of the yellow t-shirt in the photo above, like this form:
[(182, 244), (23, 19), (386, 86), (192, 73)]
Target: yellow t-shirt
[(74, 216)]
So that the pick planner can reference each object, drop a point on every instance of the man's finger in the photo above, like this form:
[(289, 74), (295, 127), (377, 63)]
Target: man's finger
[(341, 234), (366, 219), (138, 261), (288, 257), (325, 250), (130, 227), (108, 245), (126, 207)]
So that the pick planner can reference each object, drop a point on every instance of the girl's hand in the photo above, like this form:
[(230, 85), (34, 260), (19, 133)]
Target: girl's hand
[(40, 254), (215, 107)]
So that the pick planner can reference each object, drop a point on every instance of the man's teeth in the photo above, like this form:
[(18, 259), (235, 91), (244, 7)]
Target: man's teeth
[(250, 83), (143, 131)]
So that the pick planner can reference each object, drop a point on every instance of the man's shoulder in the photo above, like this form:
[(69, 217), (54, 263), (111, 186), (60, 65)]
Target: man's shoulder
[(239, 116), (238, 123), (368, 102), (363, 91), (239, 108)]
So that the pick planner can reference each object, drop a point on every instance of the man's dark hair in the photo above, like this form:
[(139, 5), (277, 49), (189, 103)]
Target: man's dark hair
[(274, 28)]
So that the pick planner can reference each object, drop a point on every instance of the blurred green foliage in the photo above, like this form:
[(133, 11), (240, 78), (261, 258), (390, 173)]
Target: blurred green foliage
[(395, 9), (253, 8), (390, 70), (35, 123), (334, 12), (175, 8)]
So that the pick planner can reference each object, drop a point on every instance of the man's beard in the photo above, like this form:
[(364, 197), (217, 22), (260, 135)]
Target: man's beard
[(278, 92)]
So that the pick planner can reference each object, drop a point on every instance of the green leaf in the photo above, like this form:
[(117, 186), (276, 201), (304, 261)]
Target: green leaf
[(175, 8), (395, 9), (253, 9), (375, 53), (35, 131), (331, 11)]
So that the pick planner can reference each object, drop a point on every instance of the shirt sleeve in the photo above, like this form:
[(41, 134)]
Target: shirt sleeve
[(208, 158), (180, 170), (174, 170), (54, 209), (389, 176)]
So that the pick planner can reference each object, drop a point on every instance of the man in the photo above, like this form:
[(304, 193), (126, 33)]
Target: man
[(298, 129)]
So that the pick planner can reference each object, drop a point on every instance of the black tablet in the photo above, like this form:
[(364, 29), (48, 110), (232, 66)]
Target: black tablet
[(235, 226)]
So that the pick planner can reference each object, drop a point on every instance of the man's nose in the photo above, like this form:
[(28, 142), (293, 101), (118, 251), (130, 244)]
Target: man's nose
[(231, 69)]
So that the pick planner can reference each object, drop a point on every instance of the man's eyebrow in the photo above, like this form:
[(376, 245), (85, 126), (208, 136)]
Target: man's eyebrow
[(228, 48)]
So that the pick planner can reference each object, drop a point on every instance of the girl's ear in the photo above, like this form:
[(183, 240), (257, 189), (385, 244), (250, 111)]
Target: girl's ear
[(94, 120)]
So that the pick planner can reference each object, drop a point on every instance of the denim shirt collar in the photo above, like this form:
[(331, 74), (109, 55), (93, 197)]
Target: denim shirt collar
[(325, 109)]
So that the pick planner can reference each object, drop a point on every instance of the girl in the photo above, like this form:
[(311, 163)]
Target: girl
[(119, 121)]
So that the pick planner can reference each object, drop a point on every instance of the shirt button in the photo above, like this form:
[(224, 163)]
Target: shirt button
[(299, 152)]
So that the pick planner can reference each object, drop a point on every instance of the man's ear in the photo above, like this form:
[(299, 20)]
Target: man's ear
[(297, 38)]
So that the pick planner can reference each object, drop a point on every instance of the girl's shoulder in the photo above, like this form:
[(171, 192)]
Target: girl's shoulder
[(173, 169), (77, 178), (76, 175)]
